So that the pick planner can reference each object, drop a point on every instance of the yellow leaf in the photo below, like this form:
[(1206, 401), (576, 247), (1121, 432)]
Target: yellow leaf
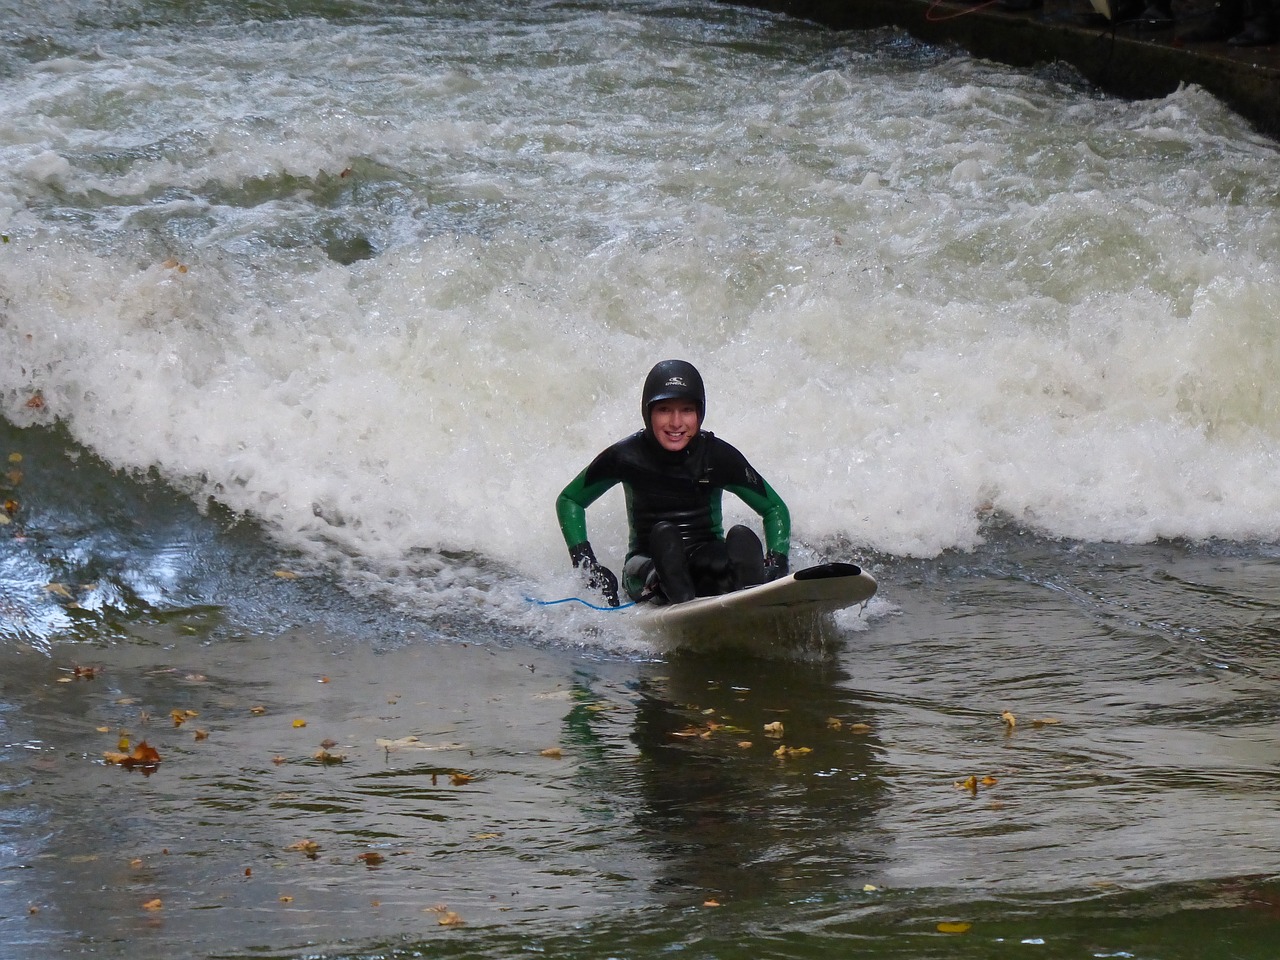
[(58, 589), (450, 919), (15, 458), (773, 729), (1044, 722), (460, 779), (555, 753), (859, 728), (299, 723), (285, 898), (155, 904), (286, 575), (969, 783), (869, 888), (304, 846), (1009, 719), (711, 903), (948, 926)]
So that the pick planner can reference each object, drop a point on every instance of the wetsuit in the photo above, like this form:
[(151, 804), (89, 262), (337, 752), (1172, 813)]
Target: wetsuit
[(684, 487)]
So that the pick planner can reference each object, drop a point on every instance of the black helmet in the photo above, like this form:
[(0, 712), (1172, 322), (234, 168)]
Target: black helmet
[(674, 380)]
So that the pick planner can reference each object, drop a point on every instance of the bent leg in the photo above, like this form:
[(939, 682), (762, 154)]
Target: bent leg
[(746, 557), (667, 544)]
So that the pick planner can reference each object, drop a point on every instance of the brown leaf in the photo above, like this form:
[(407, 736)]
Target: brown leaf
[(155, 904), (143, 756), (372, 858), (325, 757), (460, 779)]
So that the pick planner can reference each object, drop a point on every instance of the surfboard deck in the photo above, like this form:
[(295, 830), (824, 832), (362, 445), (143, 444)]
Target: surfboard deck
[(812, 591)]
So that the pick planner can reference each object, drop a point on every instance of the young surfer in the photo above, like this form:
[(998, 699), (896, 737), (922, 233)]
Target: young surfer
[(674, 474)]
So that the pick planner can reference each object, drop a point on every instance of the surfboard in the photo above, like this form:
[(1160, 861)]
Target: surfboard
[(810, 592)]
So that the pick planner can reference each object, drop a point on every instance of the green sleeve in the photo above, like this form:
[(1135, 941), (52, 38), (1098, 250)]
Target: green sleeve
[(776, 516), (571, 506)]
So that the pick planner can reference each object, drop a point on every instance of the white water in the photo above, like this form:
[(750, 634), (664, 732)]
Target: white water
[(922, 289)]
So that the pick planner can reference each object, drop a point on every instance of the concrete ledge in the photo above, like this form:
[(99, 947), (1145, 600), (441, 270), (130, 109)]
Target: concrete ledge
[(1129, 61)]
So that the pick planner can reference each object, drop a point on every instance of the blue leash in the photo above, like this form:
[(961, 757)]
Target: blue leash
[(585, 603)]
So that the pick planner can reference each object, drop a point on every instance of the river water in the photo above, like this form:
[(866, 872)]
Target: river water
[(309, 309)]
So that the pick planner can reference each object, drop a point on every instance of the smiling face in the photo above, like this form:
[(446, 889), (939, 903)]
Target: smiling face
[(674, 423)]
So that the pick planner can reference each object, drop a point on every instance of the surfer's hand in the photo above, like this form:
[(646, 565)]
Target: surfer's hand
[(775, 566), (598, 577)]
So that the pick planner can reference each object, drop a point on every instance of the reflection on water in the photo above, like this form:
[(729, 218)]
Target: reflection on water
[(533, 791)]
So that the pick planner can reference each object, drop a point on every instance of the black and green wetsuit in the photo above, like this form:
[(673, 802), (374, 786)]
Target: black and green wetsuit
[(685, 488)]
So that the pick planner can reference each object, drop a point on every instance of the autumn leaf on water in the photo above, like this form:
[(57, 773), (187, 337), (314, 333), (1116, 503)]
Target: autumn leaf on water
[(309, 847), (155, 904), (180, 717), (774, 729), (447, 917), (325, 757), (554, 753), (460, 779), (202, 734), (257, 711), (1045, 722), (299, 723), (1009, 720), (372, 858), (143, 756), (790, 753), (948, 926)]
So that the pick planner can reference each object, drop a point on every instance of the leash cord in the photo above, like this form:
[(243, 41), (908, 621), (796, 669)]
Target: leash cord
[(585, 603)]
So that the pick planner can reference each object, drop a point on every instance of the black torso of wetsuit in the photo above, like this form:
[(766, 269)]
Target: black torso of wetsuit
[(683, 487)]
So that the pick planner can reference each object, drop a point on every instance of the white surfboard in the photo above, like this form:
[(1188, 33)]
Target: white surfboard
[(802, 595)]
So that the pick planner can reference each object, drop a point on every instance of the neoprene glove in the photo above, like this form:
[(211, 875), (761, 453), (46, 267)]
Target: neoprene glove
[(775, 566), (598, 577)]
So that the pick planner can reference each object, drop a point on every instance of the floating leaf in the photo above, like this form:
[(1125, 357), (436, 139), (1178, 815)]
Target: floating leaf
[(711, 903), (1045, 722), (969, 783), (460, 779), (257, 711), (372, 858), (58, 589), (155, 904), (304, 846), (202, 734), (299, 723), (285, 898), (773, 729), (325, 757), (948, 926), (834, 723), (286, 575), (143, 756), (859, 728), (182, 716), (745, 744), (1009, 719), (789, 753), (555, 753), (35, 401), (450, 919)]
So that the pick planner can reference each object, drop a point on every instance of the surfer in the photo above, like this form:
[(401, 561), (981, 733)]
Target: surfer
[(674, 474)]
